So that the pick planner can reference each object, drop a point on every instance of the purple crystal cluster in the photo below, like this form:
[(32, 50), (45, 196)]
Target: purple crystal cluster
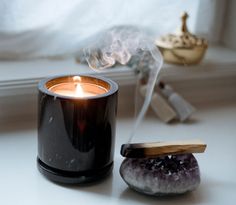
[(167, 175)]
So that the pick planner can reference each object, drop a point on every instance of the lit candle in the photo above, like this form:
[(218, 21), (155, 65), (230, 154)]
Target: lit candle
[(76, 129), (78, 88)]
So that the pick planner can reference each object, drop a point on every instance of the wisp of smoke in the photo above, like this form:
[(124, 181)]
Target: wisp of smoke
[(126, 44)]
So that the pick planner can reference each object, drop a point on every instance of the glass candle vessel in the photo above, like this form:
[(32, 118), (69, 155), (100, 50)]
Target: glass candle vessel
[(76, 128)]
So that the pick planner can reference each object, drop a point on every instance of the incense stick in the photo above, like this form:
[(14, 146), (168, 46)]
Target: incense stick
[(155, 149)]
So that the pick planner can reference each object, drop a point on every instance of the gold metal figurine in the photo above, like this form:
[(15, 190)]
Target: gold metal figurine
[(182, 47)]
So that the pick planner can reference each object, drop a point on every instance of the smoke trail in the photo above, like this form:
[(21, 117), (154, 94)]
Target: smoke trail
[(126, 45)]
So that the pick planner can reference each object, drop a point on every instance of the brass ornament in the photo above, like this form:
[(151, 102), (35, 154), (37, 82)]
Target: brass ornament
[(182, 47)]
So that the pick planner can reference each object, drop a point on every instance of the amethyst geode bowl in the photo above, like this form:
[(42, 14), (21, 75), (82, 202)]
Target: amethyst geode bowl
[(168, 175)]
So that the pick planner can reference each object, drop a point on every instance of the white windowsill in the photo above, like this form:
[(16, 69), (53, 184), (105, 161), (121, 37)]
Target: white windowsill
[(214, 79), (218, 62), (18, 76)]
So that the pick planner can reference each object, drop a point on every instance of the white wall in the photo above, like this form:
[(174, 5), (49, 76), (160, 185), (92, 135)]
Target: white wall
[(54, 27)]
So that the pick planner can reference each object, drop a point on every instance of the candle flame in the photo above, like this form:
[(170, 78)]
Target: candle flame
[(76, 79), (79, 90)]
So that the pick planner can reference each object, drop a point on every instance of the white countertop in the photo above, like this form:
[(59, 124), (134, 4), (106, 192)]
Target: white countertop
[(21, 183)]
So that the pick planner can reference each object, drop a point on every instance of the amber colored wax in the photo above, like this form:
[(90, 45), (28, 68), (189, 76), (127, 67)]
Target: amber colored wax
[(78, 89)]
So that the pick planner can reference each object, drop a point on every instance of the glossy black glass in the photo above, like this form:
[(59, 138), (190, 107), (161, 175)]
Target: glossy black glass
[(76, 135)]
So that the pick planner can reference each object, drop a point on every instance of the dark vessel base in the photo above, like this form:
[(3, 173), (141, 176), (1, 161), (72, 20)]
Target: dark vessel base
[(67, 177)]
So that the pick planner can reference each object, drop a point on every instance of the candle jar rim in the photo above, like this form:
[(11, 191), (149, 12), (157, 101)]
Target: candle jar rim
[(109, 85)]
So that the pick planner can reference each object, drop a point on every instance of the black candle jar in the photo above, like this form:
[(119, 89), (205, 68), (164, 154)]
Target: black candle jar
[(76, 134)]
